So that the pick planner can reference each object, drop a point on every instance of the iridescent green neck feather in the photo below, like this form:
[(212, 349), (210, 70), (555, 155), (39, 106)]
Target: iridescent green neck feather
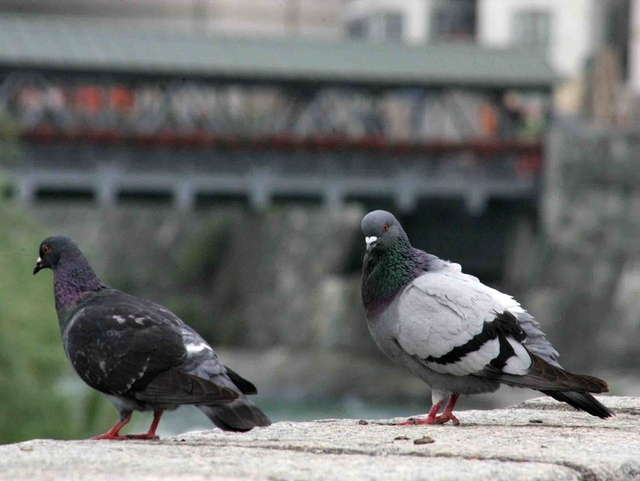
[(385, 273)]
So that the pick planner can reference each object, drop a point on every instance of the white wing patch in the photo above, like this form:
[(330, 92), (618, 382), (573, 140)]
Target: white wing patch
[(139, 376), (508, 302), (473, 362), (520, 363), (197, 347), (120, 319)]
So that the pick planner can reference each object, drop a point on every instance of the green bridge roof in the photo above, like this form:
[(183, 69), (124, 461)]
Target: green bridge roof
[(66, 45)]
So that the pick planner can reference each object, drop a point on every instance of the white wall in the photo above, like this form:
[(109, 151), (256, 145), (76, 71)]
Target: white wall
[(314, 18), (275, 17), (576, 26), (573, 29)]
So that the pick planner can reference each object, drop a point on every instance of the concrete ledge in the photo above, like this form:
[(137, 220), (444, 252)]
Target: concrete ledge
[(538, 439)]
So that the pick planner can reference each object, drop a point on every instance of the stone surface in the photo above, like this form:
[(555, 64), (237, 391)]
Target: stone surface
[(584, 281), (539, 439)]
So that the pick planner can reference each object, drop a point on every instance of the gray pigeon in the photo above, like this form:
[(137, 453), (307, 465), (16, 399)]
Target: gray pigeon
[(453, 332), (137, 353)]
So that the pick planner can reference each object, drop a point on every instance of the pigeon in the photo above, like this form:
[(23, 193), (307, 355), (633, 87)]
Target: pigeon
[(456, 334), (137, 353)]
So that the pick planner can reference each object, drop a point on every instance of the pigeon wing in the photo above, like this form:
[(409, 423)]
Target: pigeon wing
[(123, 345), (177, 387), (536, 342), (245, 386), (454, 325), (203, 362)]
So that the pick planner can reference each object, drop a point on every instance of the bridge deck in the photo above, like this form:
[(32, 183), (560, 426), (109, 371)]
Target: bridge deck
[(329, 175)]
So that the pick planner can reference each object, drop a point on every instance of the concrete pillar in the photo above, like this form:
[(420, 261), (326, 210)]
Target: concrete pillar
[(405, 201), (184, 196), (26, 189), (405, 194), (333, 198), (476, 201), (105, 188), (259, 193), (106, 184)]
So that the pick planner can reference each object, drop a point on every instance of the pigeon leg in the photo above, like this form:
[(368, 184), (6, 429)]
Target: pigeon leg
[(113, 433), (430, 419), (151, 434), (447, 414)]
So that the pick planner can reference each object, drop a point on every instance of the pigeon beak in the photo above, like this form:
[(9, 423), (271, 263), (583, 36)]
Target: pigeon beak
[(38, 266), (370, 242)]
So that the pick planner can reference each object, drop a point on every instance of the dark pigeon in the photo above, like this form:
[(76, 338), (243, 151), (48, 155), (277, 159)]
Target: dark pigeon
[(137, 353), (453, 332)]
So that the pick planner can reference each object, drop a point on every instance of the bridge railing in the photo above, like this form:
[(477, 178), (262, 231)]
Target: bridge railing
[(188, 140), (192, 109)]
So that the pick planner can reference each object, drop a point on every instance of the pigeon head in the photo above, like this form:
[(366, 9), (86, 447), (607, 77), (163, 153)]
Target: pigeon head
[(381, 230), (73, 278), (55, 249)]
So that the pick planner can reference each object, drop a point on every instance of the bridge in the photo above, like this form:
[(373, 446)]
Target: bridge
[(111, 114)]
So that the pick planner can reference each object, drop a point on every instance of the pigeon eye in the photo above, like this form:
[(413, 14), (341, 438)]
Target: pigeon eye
[(385, 228), (46, 249)]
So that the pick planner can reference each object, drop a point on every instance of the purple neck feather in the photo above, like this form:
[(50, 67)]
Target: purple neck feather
[(73, 279)]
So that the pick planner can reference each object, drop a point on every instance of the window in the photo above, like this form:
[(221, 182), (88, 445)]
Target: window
[(358, 29), (392, 26), (532, 29), (454, 20), (380, 26)]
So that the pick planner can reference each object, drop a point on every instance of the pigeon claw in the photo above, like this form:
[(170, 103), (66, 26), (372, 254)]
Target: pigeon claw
[(444, 418), (433, 417), (110, 437), (417, 421), (408, 422), (113, 434), (447, 415), (149, 436), (430, 419)]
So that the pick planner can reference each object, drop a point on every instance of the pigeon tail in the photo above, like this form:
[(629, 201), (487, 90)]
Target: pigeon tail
[(241, 383), (582, 401), (544, 376), (563, 386), (241, 415)]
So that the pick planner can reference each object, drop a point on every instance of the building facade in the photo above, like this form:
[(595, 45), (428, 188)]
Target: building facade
[(589, 43), (312, 18), (586, 41), (411, 21)]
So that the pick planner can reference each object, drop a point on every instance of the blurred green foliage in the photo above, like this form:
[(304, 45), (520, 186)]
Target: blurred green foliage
[(9, 138), (202, 254), (197, 266), (40, 396)]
